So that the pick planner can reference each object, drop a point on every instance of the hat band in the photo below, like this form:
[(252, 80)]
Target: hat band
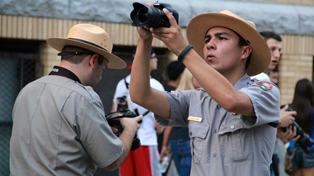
[(80, 40)]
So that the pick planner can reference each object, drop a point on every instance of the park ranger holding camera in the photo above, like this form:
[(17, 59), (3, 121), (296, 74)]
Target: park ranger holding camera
[(232, 121), (59, 125)]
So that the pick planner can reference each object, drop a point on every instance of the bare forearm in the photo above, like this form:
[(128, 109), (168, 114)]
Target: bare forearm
[(159, 128), (140, 90), (166, 136), (139, 85)]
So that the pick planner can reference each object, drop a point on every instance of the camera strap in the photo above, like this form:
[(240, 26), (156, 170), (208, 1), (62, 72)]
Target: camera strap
[(60, 71), (126, 83)]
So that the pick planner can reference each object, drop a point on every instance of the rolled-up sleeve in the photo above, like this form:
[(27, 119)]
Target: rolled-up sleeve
[(179, 106)]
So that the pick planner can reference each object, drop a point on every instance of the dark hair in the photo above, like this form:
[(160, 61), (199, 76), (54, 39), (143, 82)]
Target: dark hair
[(78, 58), (241, 43), (270, 34), (303, 103), (174, 70)]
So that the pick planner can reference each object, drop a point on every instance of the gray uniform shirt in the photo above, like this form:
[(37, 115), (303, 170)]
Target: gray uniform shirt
[(59, 129), (224, 143)]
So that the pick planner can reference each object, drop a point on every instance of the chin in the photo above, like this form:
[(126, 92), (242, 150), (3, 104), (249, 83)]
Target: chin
[(272, 67)]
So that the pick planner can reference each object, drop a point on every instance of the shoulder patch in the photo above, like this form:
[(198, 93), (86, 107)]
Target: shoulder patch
[(264, 85)]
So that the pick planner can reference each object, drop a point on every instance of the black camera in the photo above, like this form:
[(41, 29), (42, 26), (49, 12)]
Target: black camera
[(113, 121), (305, 141), (143, 15)]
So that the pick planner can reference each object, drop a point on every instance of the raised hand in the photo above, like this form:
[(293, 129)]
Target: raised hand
[(144, 32), (172, 36), (286, 117)]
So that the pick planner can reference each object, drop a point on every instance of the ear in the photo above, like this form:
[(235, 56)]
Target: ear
[(93, 61), (246, 51)]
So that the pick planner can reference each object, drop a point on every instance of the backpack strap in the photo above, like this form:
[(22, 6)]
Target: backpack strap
[(126, 83), (137, 113), (146, 113)]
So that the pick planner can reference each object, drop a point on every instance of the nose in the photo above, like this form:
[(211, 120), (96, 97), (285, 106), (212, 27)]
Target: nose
[(276, 54), (210, 44)]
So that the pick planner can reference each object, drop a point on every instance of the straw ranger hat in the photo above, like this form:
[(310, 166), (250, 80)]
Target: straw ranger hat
[(200, 24), (92, 38)]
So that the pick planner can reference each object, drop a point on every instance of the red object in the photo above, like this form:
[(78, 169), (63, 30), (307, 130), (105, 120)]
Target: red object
[(137, 163)]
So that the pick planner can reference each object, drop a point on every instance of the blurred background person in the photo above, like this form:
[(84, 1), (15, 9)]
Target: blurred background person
[(174, 72), (176, 139), (273, 41), (274, 76), (143, 161), (303, 103)]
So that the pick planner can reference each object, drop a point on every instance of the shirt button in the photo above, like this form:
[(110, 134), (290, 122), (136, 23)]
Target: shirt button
[(232, 126), (214, 155), (190, 133)]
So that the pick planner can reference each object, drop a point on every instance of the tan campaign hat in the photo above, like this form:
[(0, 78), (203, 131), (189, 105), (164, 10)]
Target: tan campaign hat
[(200, 24), (92, 38)]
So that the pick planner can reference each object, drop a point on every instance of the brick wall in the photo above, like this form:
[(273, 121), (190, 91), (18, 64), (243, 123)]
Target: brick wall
[(48, 57), (291, 69), (296, 63)]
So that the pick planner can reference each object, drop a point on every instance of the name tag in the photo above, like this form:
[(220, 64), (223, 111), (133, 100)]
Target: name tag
[(195, 119)]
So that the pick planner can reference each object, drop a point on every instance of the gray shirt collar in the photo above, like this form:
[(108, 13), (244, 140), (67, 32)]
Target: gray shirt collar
[(242, 82)]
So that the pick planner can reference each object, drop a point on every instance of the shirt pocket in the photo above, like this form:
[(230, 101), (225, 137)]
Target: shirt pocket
[(233, 138), (198, 133)]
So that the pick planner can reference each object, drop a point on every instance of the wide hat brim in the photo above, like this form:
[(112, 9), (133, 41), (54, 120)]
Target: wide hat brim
[(114, 61), (199, 25)]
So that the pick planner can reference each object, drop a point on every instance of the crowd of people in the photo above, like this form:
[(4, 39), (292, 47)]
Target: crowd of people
[(218, 115)]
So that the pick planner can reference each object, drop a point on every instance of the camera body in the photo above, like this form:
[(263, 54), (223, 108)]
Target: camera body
[(113, 120), (305, 141), (143, 15)]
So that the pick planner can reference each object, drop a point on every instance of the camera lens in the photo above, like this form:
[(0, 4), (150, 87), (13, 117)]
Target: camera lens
[(142, 14)]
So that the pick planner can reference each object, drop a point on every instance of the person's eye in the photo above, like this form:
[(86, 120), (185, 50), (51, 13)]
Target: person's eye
[(206, 41), (222, 38)]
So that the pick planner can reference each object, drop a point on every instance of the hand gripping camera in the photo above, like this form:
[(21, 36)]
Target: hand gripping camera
[(143, 15), (305, 141), (113, 120)]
